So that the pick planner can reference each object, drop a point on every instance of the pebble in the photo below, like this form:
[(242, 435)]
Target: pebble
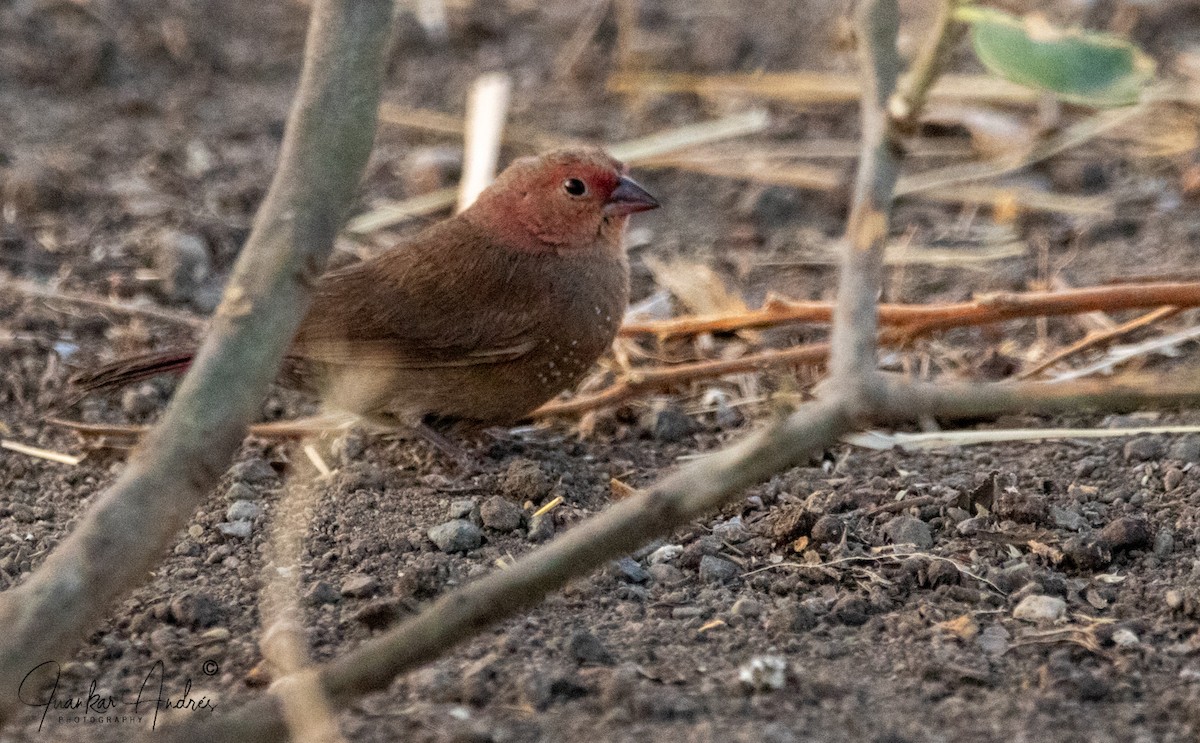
[(1171, 478), (524, 480), (1067, 519), (348, 447), (828, 529), (909, 530), (460, 509), (241, 491), (666, 574), (242, 510), (1143, 449), (971, 526), (672, 424), (378, 614), (195, 531), (541, 528), (666, 553), (746, 607), (359, 585), (182, 263), (140, 401), (194, 610), (501, 514), (1174, 599), (1040, 608), (322, 593), (238, 529), (732, 530), (1127, 533), (764, 673), (1125, 638), (1186, 449), (1164, 543), (715, 569), (629, 570), (993, 640), (586, 648), (254, 471), (458, 535)]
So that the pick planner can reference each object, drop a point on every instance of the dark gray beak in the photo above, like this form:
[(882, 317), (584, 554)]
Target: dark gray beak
[(628, 197)]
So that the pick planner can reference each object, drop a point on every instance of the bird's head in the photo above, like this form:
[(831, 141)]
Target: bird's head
[(559, 201)]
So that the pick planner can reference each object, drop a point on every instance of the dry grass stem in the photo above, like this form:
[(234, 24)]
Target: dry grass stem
[(487, 108)]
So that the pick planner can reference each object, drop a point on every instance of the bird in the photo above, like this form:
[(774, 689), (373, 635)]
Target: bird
[(478, 319)]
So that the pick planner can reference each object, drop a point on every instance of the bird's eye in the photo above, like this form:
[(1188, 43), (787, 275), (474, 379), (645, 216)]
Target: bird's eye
[(575, 187)]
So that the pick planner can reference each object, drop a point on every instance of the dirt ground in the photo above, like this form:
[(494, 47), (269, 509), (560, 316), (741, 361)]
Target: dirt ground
[(136, 140)]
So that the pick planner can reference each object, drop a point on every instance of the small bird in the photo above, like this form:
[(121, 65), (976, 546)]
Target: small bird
[(479, 318)]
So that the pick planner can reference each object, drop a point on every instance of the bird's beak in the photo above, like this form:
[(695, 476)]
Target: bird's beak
[(628, 197)]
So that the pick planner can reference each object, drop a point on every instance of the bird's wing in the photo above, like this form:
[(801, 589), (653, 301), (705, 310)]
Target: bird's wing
[(437, 302)]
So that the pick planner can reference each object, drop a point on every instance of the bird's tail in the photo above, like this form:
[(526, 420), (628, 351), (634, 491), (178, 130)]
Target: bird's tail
[(133, 369)]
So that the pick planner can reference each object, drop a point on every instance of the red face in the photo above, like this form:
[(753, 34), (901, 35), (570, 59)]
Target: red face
[(560, 201)]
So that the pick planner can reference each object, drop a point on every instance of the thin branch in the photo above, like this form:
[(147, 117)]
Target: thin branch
[(329, 135), (852, 345), (918, 319), (693, 491), (909, 100), (1099, 337), (651, 380)]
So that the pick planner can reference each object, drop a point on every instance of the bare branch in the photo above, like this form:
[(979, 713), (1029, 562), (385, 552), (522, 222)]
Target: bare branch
[(909, 100), (852, 353), (918, 319), (329, 135)]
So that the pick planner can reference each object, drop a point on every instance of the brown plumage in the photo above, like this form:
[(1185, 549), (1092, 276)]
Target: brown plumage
[(482, 317)]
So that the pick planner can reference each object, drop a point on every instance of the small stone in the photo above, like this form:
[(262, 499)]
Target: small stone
[(828, 530), (993, 640), (1186, 449), (731, 531), (745, 607), (971, 526), (182, 263), (586, 648), (460, 509), (378, 614), (501, 514), (541, 527), (1087, 553), (242, 510), (1143, 449), (909, 530), (1125, 638), (322, 593), (140, 401), (238, 529), (216, 634), (672, 424), (524, 480), (458, 535), (1171, 478), (242, 491), (851, 610), (348, 448), (666, 574), (194, 610), (253, 472), (764, 673), (666, 553), (629, 570), (1067, 519), (195, 531), (1127, 533), (358, 585), (1164, 543), (1174, 599), (1040, 608), (715, 569)]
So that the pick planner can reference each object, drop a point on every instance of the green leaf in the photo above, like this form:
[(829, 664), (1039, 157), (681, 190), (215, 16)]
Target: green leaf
[(1086, 67)]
